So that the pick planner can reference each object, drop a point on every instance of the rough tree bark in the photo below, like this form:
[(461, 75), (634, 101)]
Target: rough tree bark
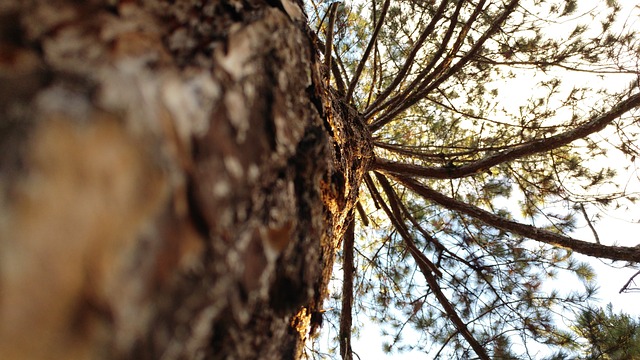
[(175, 179)]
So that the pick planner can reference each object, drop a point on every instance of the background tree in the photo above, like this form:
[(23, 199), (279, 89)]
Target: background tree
[(609, 335), (178, 176), (602, 334)]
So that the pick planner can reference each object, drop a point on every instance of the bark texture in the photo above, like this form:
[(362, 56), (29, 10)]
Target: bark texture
[(175, 179)]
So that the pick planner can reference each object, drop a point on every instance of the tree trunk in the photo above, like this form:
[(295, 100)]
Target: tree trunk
[(175, 179)]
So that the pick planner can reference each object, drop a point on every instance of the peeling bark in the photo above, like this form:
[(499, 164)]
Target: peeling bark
[(175, 179)]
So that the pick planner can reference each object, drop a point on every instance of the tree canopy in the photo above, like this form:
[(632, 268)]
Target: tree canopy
[(492, 123)]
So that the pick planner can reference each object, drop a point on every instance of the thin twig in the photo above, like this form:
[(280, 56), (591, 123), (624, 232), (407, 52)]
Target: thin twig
[(586, 217), (378, 104), (396, 218), (626, 286), (367, 51), (427, 86), (429, 271)]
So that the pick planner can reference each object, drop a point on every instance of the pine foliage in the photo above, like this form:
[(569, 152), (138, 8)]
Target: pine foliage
[(492, 122)]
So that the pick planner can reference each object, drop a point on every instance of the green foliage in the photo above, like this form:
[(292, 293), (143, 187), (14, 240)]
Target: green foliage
[(601, 334), (492, 107)]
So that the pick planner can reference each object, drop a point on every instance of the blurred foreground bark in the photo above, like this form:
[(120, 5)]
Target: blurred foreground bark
[(175, 179)]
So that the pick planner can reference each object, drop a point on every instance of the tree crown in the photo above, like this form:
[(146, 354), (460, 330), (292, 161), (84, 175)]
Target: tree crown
[(491, 122)]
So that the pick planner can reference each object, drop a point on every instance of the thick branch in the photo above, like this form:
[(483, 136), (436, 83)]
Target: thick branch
[(621, 253), (362, 213), (337, 75), (329, 37), (375, 195), (534, 147), (348, 272)]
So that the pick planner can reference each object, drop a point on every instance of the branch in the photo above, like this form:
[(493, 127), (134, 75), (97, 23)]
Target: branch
[(367, 51), (428, 269), (619, 253), (333, 8), (442, 249), (348, 271), (379, 105), (451, 312), (340, 69), (376, 61), (545, 63), (395, 215), (626, 286), (436, 243), (586, 217), (425, 87), (408, 150), (375, 195), (533, 147), (362, 213), (337, 76), (409, 61)]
